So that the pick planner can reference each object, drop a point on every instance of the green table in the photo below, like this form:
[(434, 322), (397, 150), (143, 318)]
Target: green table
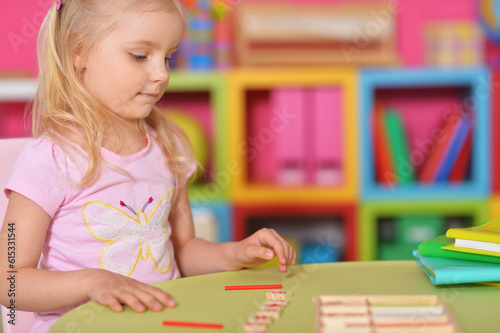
[(203, 299)]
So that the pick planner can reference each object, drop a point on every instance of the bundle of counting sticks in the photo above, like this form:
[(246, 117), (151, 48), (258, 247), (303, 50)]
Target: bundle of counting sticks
[(269, 311), (382, 314)]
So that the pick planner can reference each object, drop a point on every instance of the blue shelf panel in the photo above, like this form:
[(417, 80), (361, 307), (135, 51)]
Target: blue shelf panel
[(224, 214), (478, 81)]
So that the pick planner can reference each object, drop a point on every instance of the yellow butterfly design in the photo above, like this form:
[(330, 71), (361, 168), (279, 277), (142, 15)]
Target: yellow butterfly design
[(130, 238)]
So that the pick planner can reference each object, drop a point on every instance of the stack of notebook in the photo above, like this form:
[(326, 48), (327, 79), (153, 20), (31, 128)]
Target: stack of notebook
[(463, 255)]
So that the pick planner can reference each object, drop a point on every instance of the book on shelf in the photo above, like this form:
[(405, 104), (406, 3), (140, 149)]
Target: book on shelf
[(456, 144), (454, 271), (398, 145), (385, 173), (459, 170), (441, 144)]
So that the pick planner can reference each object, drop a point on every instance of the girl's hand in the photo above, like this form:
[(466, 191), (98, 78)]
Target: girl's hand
[(115, 290), (263, 246)]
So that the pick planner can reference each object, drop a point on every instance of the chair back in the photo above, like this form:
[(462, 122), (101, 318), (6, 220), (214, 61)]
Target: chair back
[(9, 150)]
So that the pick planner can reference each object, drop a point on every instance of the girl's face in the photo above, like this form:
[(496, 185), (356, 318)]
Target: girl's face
[(128, 71)]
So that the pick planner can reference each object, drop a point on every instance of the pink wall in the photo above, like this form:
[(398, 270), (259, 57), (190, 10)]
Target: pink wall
[(19, 24)]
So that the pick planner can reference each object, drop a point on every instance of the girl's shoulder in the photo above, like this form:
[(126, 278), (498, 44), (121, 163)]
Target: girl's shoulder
[(44, 147)]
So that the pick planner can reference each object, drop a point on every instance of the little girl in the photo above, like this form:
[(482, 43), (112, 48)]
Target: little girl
[(98, 199)]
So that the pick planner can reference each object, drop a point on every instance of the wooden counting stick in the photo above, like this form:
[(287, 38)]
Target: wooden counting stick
[(278, 294), (254, 327), (271, 312), (282, 302), (382, 314), (260, 319)]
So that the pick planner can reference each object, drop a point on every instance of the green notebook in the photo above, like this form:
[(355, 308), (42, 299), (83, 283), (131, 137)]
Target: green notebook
[(399, 147), (433, 248)]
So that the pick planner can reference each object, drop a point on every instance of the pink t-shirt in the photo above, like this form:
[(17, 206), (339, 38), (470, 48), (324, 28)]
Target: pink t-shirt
[(120, 223)]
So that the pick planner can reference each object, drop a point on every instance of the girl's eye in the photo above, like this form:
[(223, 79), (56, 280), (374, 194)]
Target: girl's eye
[(169, 60), (138, 57)]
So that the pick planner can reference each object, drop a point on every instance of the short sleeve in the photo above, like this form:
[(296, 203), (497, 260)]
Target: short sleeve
[(39, 174)]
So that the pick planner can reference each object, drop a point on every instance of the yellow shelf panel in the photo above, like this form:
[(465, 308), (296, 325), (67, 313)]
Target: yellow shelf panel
[(243, 80)]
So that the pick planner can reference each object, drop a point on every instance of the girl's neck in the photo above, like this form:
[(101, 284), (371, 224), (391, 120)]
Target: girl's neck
[(125, 140)]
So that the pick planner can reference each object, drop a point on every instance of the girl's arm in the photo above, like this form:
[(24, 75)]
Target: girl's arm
[(196, 256), (23, 233)]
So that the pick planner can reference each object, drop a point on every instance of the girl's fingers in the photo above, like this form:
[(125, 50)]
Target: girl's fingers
[(290, 255), (160, 296), (131, 299), (260, 252), (280, 247), (113, 303), (107, 298)]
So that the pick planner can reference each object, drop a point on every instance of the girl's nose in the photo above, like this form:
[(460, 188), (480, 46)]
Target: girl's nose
[(160, 73)]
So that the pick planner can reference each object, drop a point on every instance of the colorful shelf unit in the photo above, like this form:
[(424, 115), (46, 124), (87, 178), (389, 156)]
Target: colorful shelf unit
[(423, 97), (270, 113), (304, 224), (203, 95), (494, 207), (495, 135), (15, 95), (373, 215)]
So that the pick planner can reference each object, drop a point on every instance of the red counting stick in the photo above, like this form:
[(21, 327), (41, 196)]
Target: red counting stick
[(191, 324), (257, 286)]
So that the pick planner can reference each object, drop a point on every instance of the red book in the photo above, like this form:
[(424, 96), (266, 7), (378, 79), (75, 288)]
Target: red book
[(460, 168), (440, 144), (383, 161)]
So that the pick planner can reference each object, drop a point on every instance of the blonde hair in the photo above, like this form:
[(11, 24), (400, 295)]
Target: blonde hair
[(65, 110)]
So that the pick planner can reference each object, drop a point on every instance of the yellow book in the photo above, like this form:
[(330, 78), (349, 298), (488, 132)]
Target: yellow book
[(483, 239), (486, 232)]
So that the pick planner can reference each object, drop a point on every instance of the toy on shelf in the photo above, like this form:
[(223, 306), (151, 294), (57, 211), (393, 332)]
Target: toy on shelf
[(318, 233), (207, 43), (290, 33), (205, 224), (489, 18), (196, 135), (454, 44), (223, 35)]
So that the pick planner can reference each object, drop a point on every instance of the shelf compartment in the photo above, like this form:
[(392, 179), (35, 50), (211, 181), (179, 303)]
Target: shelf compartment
[(438, 89), (375, 214), (203, 96), (324, 225), (250, 109)]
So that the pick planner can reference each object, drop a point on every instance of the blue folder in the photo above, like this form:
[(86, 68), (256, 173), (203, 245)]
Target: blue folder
[(453, 271)]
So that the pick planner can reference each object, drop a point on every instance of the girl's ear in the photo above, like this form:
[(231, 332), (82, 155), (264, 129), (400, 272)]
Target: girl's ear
[(78, 62)]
